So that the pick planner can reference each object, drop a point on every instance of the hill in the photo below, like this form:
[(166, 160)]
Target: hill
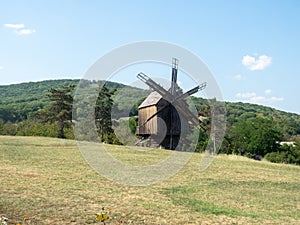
[(48, 181), (288, 123), (18, 102)]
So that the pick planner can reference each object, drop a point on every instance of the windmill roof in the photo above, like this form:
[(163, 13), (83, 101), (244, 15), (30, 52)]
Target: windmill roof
[(152, 99)]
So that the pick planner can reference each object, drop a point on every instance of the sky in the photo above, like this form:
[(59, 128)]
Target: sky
[(251, 47)]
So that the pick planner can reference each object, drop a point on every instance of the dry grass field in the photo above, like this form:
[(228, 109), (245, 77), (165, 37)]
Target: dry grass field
[(50, 182)]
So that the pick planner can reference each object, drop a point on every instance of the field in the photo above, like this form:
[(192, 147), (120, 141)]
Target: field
[(49, 181)]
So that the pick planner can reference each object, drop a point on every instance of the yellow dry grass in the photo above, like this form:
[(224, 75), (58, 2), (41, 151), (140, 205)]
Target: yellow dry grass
[(48, 181)]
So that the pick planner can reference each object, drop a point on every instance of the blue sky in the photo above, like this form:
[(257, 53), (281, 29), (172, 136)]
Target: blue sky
[(251, 47)]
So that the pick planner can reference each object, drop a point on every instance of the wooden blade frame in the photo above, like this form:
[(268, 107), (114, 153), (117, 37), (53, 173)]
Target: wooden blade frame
[(177, 102)]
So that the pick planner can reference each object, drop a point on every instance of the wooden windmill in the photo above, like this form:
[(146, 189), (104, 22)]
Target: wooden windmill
[(164, 114)]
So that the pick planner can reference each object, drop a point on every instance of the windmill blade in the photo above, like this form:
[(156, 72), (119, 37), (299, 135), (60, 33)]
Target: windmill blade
[(156, 87), (186, 113), (197, 124), (177, 102), (180, 105), (192, 91), (202, 86), (167, 96)]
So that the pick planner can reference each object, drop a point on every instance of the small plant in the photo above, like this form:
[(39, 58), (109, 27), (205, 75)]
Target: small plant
[(5, 221), (102, 216)]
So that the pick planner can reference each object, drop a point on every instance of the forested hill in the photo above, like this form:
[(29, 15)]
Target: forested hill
[(288, 121), (19, 101)]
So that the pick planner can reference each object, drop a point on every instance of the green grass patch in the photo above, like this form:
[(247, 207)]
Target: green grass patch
[(178, 195)]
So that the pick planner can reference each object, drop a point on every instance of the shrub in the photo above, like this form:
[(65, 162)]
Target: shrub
[(287, 154)]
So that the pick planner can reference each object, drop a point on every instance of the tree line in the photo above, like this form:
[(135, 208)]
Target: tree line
[(255, 135), (253, 131), (55, 120)]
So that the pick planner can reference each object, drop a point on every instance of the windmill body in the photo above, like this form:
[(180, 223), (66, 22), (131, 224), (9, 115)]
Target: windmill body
[(164, 115), (159, 129)]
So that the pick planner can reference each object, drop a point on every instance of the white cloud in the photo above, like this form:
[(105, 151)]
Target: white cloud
[(246, 95), (24, 31), (259, 63), (19, 29), (252, 97), (268, 91), (14, 26), (276, 99), (238, 77), (1, 67)]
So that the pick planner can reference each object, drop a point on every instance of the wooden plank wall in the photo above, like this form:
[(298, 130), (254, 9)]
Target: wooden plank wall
[(151, 126)]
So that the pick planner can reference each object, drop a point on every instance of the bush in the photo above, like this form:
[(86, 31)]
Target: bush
[(133, 124), (287, 154), (8, 128), (33, 128), (110, 139), (275, 157)]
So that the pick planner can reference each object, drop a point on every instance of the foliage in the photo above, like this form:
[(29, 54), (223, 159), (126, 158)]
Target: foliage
[(287, 123), (133, 122), (36, 128), (286, 154), (103, 109), (202, 139), (126, 101), (7, 128), (24, 106), (60, 110), (254, 136), (134, 109), (124, 128), (19, 101)]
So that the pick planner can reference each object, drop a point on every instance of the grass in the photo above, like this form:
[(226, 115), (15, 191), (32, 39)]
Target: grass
[(49, 181)]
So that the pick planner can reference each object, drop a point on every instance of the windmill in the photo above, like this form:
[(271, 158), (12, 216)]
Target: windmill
[(163, 113)]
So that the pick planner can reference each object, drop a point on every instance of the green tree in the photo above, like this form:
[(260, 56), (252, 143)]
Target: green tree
[(60, 111), (255, 136), (103, 109), (133, 121), (1, 126), (285, 154), (8, 128)]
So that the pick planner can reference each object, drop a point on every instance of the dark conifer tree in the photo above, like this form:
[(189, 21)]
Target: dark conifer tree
[(60, 110), (103, 112)]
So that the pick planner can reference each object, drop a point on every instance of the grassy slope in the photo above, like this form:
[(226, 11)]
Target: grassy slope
[(49, 181)]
